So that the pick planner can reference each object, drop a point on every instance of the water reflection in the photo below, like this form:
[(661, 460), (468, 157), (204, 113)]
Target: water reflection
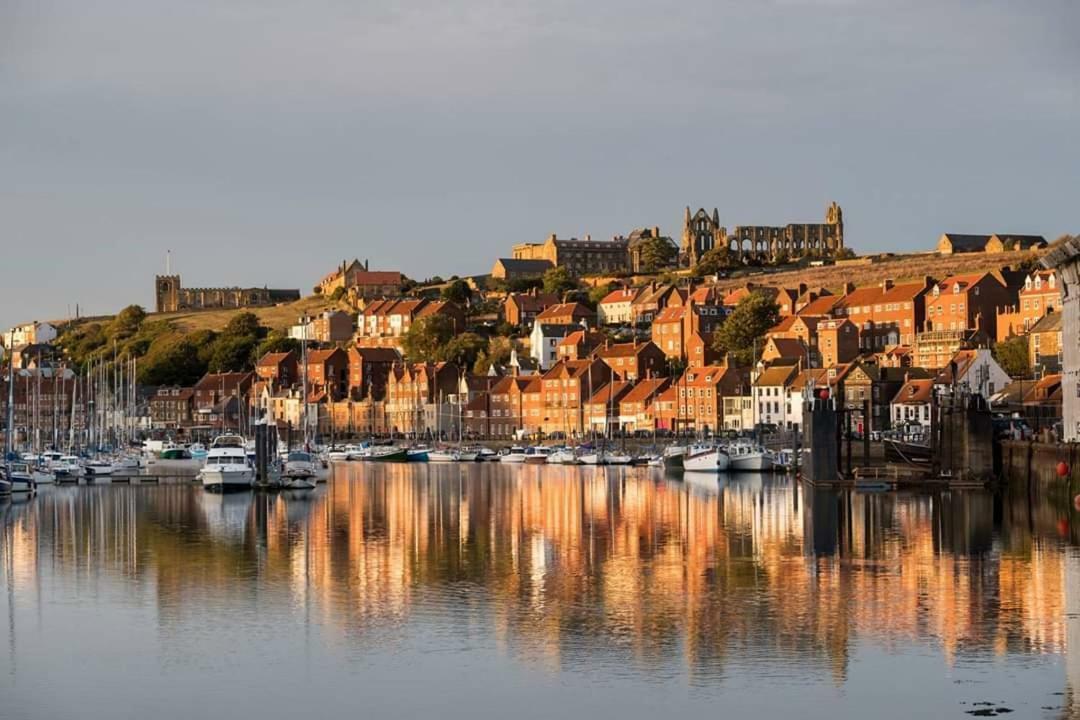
[(621, 574)]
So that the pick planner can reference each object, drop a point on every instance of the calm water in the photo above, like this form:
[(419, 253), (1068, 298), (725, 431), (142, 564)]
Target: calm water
[(485, 591)]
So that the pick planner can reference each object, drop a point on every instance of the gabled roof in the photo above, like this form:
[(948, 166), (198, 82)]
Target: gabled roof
[(376, 354), (960, 241), (800, 381), (612, 392), (524, 266), (778, 375), (572, 309), (821, 306), (377, 277), (783, 326), (629, 349), (321, 356), (670, 314), (532, 302), (788, 347), (621, 295), (275, 359), (645, 389), (1050, 322), (914, 392)]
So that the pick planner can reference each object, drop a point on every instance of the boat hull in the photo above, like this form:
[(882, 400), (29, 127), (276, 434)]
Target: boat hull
[(752, 463), (227, 479), (393, 456), (706, 461)]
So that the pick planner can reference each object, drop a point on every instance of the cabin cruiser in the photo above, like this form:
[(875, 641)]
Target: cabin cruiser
[(516, 454), (707, 458), (227, 466), (301, 470), (98, 469), (24, 477), (746, 456), (467, 453), (67, 466), (336, 454), (417, 454), (537, 455)]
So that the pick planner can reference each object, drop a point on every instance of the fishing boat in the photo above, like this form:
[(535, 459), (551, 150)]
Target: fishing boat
[(746, 456), (301, 471), (708, 458), (227, 466), (388, 453), (515, 454)]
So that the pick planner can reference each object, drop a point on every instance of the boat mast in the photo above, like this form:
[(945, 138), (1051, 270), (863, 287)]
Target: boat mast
[(10, 420)]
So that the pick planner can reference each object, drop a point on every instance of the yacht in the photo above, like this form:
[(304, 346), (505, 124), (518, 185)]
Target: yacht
[(617, 458), (227, 466), (746, 456), (417, 454), (388, 453), (706, 457), (67, 468), (673, 456), (516, 454), (467, 453), (336, 454), (301, 470)]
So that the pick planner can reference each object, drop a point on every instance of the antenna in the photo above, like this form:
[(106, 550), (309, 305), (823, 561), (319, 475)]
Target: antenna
[(168, 262)]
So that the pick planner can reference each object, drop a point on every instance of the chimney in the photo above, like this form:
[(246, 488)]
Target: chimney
[(656, 231), (849, 287), (803, 287), (886, 285)]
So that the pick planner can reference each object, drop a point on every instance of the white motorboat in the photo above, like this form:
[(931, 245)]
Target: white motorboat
[(516, 454), (227, 466), (67, 467), (485, 454), (468, 454), (655, 461), (25, 478), (563, 456), (443, 456), (98, 470), (301, 471), (617, 458), (709, 458), (592, 457), (338, 454), (537, 455), (748, 457)]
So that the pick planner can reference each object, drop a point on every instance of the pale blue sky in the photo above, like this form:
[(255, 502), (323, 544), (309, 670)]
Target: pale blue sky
[(264, 140)]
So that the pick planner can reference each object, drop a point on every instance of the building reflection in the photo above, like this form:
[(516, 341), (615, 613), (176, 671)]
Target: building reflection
[(570, 567)]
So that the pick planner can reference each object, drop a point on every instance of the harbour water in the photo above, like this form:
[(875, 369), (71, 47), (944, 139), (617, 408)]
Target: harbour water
[(488, 591)]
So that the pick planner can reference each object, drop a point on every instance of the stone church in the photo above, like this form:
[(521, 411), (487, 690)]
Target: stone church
[(171, 297), (703, 232)]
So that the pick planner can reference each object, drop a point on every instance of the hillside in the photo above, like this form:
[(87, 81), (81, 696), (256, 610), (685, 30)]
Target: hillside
[(278, 317), (898, 268)]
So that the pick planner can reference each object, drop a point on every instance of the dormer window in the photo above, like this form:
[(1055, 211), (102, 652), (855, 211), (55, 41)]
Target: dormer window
[(1050, 282), (937, 290), (956, 289)]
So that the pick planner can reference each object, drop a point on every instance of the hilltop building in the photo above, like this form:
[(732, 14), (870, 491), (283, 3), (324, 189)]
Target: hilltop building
[(953, 243), (703, 232), (580, 257), (170, 296)]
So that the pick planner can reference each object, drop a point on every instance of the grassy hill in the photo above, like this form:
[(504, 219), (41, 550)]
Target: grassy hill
[(278, 317), (898, 268)]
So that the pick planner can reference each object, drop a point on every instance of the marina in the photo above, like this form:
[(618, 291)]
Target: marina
[(622, 587)]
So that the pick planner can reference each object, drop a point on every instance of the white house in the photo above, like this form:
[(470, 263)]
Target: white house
[(977, 372), (911, 405), (33, 333), (544, 342), (615, 308), (771, 397)]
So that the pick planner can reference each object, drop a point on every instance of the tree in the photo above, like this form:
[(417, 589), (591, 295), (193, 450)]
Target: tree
[(244, 323), (713, 261), (1012, 355), (558, 280), (275, 342), (752, 317), (598, 293), (426, 337), (127, 321), (497, 353), (524, 284), (657, 253), (463, 350), (458, 292), (171, 360), (233, 353)]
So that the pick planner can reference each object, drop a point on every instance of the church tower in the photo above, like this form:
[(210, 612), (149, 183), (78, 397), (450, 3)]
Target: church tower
[(167, 293)]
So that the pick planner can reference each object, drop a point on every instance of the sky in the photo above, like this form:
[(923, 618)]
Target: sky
[(264, 141)]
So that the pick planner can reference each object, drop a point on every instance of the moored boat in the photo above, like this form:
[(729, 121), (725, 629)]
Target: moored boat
[(537, 455), (388, 453), (227, 466), (707, 458), (300, 471), (515, 454), (442, 456), (749, 457)]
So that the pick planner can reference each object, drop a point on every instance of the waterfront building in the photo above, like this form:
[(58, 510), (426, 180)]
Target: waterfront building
[(911, 405), (602, 407), (972, 371), (638, 408), (369, 371), (1064, 257), (889, 313), (565, 388), (170, 296), (698, 395), (216, 399), (328, 372), (579, 344), (771, 397), (172, 408), (278, 369)]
